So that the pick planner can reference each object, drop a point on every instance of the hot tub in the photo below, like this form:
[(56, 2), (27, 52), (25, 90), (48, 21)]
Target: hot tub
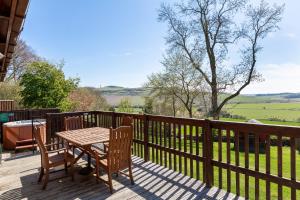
[(21, 132)]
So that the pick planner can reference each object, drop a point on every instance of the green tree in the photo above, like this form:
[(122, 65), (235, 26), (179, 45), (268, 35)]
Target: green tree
[(9, 90), (44, 85), (125, 106), (148, 106)]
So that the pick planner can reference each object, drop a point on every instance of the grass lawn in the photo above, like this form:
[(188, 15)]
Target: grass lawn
[(283, 111), (287, 123)]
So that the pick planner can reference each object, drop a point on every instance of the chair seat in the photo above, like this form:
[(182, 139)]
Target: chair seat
[(59, 159)]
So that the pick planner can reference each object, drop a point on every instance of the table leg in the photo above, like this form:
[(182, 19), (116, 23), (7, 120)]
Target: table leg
[(89, 160), (88, 169)]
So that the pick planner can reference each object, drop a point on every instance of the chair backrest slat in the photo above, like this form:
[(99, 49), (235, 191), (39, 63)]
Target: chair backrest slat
[(73, 123), (127, 121), (37, 135), (119, 151)]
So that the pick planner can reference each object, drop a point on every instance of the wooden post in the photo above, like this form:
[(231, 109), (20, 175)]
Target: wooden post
[(298, 144), (96, 117), (207, 144), (114, 120), (48, 129), (146, 130)]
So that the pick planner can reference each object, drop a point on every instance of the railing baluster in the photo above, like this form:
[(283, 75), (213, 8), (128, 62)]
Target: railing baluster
[(156, 141), (175, 145), (237, 160), (135, 137), (246, 149), (220, 157), (197, 153), (180, 153), (268, 166), (228, 160), (170, 144), (256, 152), (165, 144), (185, 149), (152, 139), (160, 144), (191, 128), (279, 164), (293, 166)]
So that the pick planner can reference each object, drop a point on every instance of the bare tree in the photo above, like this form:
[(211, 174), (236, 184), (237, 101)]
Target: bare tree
[(209, 32), (163, 100), (179, 80), (22, 56)]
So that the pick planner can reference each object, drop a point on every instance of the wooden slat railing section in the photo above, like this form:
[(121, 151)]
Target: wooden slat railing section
[(224, 154), (55, 123), (7, 105), (265, 179)]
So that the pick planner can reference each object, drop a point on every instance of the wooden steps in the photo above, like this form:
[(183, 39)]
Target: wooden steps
[(25, 144), (28, 141), (30, 146)]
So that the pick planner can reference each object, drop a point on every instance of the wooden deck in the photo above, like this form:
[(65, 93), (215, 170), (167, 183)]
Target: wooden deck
[(18, 180)]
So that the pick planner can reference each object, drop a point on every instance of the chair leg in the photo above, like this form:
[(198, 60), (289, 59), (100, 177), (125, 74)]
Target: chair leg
[(46, 179), (41, 175), (110, 182), (97, 169), (130, 174)]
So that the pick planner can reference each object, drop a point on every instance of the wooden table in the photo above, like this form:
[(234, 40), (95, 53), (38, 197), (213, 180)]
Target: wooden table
[(85, 138)]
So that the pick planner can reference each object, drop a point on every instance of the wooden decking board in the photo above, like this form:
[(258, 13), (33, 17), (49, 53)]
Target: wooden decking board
[(18, 180)]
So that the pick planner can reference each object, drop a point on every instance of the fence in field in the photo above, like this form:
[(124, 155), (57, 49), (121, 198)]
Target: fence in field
[(251, 160), (7, 105), (25, 114)]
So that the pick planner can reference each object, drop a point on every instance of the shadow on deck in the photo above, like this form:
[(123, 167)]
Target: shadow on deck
[(18, 180)]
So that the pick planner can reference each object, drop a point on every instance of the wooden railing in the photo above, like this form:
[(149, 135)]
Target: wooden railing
[(251, 160), (7, 105)]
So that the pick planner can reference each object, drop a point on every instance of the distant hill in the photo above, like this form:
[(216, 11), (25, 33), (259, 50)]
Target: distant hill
[(121, 91), (114, 94)]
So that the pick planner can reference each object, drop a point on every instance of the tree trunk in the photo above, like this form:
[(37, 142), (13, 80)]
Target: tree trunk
[(174, 106), (190, 111), (214, 103)]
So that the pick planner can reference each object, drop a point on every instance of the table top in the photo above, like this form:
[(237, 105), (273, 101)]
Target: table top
[(86, 136)]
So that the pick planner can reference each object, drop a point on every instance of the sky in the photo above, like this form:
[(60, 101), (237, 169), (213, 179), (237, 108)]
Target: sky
[(119, 42)]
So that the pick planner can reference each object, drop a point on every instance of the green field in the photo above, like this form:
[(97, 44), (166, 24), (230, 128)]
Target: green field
[(266, 111)]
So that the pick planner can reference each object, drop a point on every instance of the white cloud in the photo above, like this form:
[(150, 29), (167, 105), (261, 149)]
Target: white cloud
[(128, 54), (278, 78), (291, 35)]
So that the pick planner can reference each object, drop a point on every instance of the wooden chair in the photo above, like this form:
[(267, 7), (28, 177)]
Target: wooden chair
[(50, 159), (73, 123), (126, 121), (118, 156)]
